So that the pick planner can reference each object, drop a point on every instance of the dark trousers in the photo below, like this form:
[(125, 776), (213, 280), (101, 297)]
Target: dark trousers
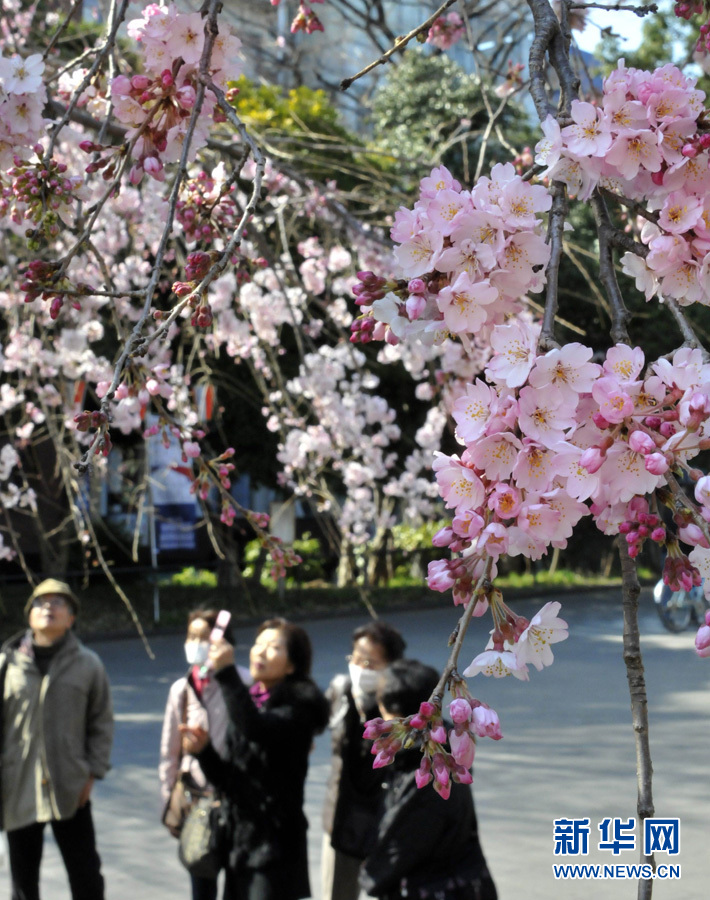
[(204, 888), (252, 885), (77, 843)]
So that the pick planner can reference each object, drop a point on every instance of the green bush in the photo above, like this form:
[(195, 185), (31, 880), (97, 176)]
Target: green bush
[(192, 577)]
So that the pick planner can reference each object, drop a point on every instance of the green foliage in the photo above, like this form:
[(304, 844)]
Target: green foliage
[(409, 538), (264, 106), (192, 577), (310, 569), (301, 127), (430, 111)]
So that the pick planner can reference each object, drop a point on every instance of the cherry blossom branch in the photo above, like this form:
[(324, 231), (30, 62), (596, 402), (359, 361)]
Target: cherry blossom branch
[(607, 272), (493, 117), (690, 338), (549, 39), (555, 237), (571, 253), (136, 343), (220, 265), (637, 691), (62, 28), (637, 208), (640, 11), (683, 503), (399, 44), (113, 24), (459, 633)]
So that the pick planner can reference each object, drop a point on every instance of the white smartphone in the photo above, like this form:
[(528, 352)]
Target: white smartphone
[(223, 617)]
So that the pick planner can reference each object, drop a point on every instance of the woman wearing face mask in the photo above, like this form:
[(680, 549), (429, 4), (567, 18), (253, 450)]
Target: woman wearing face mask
[(354, 790), (262, 772), (195, 699)]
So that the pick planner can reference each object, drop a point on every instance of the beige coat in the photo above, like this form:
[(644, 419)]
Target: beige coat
[(210, 714), (57, 731)]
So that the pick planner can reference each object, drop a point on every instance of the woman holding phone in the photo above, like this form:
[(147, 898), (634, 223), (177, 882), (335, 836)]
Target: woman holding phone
[(263, 770), (194, 699)]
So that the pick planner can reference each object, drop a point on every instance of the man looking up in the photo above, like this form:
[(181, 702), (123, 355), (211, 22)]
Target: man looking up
[(56, 732)]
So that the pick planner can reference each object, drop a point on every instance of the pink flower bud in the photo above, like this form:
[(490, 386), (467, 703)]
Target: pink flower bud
[(415, 306), (640, 442), (191, 449), (592, 460), (656, 463), (438, 734), (140, 82), (416, 286), (702, 641), (658, 535), (460, 711)]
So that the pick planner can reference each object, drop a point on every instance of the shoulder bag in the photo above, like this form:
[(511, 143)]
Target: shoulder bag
[(203, 838)]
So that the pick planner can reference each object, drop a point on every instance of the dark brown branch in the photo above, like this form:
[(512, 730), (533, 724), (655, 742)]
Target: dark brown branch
[(555, 237), (690, 338), (607, 272), (639, 700), (399, 44), (640, 11), (550, 39)]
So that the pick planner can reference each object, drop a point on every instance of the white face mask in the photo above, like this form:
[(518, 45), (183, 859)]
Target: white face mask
[(364, 681), (196, 652)]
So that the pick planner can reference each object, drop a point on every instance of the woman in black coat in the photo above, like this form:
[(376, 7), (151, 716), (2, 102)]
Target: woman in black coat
[(354, 791), (426, 847), (262, 775)]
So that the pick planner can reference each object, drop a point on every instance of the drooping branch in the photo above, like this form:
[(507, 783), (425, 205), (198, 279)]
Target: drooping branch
[(690, 338), (459, 633), (555, 237), (639, 701), (399, 44), (550, 40), (607, 272)]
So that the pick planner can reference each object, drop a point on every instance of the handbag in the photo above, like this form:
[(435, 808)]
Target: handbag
[(178, 806), (183, 793), (203, 838)]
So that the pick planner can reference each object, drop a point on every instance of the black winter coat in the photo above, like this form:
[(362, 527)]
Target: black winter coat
[(262, 776), (354, 792), (426, 847)]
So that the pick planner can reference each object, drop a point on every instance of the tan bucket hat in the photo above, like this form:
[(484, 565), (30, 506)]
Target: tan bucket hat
[(53, 586)]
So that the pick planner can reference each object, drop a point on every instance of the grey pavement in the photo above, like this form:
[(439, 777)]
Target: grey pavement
[(567, 751)]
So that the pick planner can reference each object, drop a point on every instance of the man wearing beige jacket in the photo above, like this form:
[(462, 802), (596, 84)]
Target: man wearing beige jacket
[(56, 734)]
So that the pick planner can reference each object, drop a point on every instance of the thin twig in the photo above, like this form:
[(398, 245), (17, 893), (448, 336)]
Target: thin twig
[(437, 695), (689, 336), (400, 44)]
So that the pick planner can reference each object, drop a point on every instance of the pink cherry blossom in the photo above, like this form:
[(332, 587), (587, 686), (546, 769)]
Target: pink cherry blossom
[(545, 628), (498, 664)]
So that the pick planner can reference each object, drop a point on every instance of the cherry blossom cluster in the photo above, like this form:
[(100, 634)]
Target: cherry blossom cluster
[(470, 718), (305, 19), (513, 80), (157, 105), (446, 31), (206, 207), (464, 258), (648, 142), (22, 98), (686, 9), (41, 193), (551, 432)]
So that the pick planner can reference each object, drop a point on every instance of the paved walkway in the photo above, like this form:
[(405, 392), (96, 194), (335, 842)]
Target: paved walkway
[(567, 751)]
